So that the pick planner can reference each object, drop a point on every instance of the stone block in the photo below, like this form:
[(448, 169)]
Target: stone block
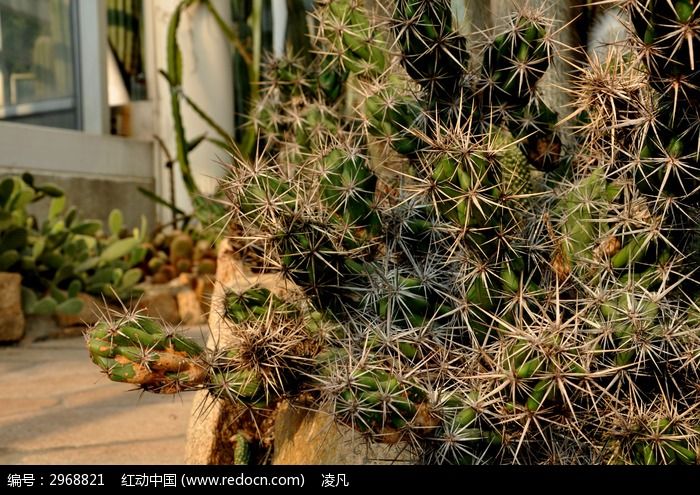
[(11, 316), (188, 307), (311, 438)]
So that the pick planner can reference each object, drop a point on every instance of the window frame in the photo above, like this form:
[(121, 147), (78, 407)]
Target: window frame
[(92, 64), (88, 19), (89, 152)]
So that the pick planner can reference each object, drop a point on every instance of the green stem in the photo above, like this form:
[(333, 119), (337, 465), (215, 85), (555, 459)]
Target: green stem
[(229, 33), (174, 77), (225, 136), (256, 25), (248, 143)]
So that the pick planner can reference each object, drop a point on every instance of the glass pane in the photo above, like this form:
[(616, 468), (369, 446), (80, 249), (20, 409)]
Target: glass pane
[(37, 62)]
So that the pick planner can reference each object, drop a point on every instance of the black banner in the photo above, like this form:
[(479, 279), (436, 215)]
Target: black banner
[(335, 478)]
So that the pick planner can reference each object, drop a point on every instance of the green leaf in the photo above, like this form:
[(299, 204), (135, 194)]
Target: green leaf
[(222, 144), (84, 243), (28, 179), (99, 289), (131, 278), (161, 201), (64, 272), (56, 207), (22, 199), (53, 259), (88, 227), (70, 249), (28, 264), (8, 259), (74, 288), (45, 306), (206, 118), (14, 238), (57, 294), (115, 222), (119, 249), (70, 216), (193, 143), (102, 276), (38, 246), (143, 229), (5, 219), (51, 190), (71, 306), (88, 264), (7, 186), (138, 255), (59, 228), (29, 299)]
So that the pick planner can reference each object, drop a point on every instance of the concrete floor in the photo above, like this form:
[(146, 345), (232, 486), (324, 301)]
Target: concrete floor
[(57, 408)]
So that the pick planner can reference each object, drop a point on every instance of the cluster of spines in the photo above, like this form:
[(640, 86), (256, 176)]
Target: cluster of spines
[(270, 342), (269, 347), (136, 349), (666, 39)]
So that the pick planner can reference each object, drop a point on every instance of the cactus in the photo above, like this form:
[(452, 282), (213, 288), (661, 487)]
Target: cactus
[(666, 36), (257, 368), (241, 453), (168, 256), (57, 301), (63, 254), (137, 350), (457, 279)]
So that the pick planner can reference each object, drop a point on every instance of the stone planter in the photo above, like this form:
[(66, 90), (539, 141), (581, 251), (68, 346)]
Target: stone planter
[(299, 436), (11, 316)]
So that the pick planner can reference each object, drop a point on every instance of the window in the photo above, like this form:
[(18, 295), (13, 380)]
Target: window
[(38, 63)]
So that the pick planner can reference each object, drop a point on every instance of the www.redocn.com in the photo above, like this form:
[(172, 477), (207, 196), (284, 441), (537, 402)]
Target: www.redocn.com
[(242, 480)]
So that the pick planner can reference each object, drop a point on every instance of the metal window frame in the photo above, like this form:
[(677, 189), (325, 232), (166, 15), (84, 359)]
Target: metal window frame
[(77, 64), (38, 107), (89, 151), (92, 78), (89, 39)]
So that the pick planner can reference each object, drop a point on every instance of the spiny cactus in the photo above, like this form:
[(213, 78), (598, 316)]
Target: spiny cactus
[(136, 349), (271, 342), (176, 253), (456, 278), (667, 40)]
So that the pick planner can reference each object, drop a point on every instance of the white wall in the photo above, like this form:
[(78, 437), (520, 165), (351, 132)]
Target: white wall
[(73, 153)]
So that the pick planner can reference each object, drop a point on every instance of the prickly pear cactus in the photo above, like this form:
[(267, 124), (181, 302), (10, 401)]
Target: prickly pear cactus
[(455, 278)]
